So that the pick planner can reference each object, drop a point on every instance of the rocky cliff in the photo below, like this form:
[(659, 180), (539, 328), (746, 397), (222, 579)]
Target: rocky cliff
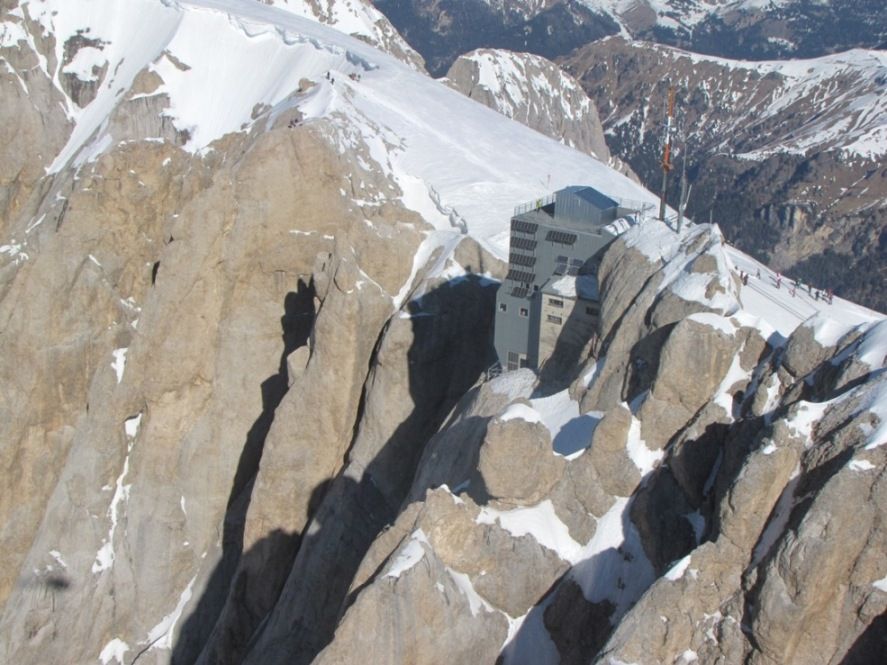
[(246, 288), (706, 490), (536, 92)]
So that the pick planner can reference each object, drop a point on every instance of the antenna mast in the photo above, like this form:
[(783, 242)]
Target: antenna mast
[(666, 152)]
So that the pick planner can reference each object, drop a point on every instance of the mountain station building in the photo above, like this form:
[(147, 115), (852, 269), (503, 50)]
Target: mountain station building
[(550, 295)]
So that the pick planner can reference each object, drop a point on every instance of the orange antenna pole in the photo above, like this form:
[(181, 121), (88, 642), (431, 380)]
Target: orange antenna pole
[(666, 152)]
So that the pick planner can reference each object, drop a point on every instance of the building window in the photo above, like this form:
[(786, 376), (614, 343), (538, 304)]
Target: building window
[(503, 307), (555, 319), (592, 311), (554, 302), (575, 267), (517, 259), (561, 237), (523, 362), (524, 312), (520, 226), (513, 361)]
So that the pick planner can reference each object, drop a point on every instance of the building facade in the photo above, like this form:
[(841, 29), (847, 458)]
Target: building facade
[(550, 295)]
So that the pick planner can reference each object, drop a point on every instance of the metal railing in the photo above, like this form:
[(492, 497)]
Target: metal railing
[(533, 205), (629, 205)]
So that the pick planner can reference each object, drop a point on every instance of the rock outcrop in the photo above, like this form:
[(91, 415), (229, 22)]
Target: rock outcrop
[(696, 509), (246, 418), (534, 91)]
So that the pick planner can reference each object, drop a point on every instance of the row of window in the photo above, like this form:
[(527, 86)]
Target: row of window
[(523, 243), (523, 276), (561, 237), (517, 259), (524, 311), (521, 226), (591, 310)]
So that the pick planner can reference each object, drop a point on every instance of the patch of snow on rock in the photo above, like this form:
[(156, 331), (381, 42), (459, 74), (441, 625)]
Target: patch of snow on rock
[(614, 566), (161, 635), (570, 431), (807, 415), (475, 601), (513, 385), (409, 555), (677, 571), (55, 554), (520, 411), (114, 651), (779, 520), (644, 458), (132, 425), (105, 556), (826, 331), (539, 521), (861, 465), (119, 363)]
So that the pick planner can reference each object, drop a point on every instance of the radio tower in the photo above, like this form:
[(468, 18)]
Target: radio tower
[(666, 152)]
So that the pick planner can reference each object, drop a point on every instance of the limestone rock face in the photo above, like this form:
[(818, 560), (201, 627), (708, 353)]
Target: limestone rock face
[(794, 553), (641, 303), (516, 464), (246, 417), (694, 361), (34, 130), (616, 473), (429, 602)]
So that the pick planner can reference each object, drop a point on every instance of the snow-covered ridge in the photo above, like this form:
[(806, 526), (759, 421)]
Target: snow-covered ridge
[(461, 165)]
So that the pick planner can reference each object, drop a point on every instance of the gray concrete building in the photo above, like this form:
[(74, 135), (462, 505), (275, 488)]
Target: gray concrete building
[(549, 299)]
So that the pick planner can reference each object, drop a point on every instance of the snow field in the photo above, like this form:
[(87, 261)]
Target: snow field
[(219, 59)]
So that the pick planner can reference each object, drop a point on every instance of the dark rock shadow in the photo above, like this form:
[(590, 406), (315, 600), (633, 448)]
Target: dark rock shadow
[(296, 325), (568, 357), (869, 648), (451, 347), (451, 344)]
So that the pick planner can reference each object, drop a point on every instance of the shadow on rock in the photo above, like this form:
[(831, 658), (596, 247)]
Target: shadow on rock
[(296, 324)]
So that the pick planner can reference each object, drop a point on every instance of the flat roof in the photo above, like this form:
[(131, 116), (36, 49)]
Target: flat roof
[(591, 195)]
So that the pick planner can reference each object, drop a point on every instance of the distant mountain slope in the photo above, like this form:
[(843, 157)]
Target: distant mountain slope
[(755, 29), (787, 155), (442, 30)]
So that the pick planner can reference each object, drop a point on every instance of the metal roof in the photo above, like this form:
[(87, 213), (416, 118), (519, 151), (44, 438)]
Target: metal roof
[(591, 195)]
